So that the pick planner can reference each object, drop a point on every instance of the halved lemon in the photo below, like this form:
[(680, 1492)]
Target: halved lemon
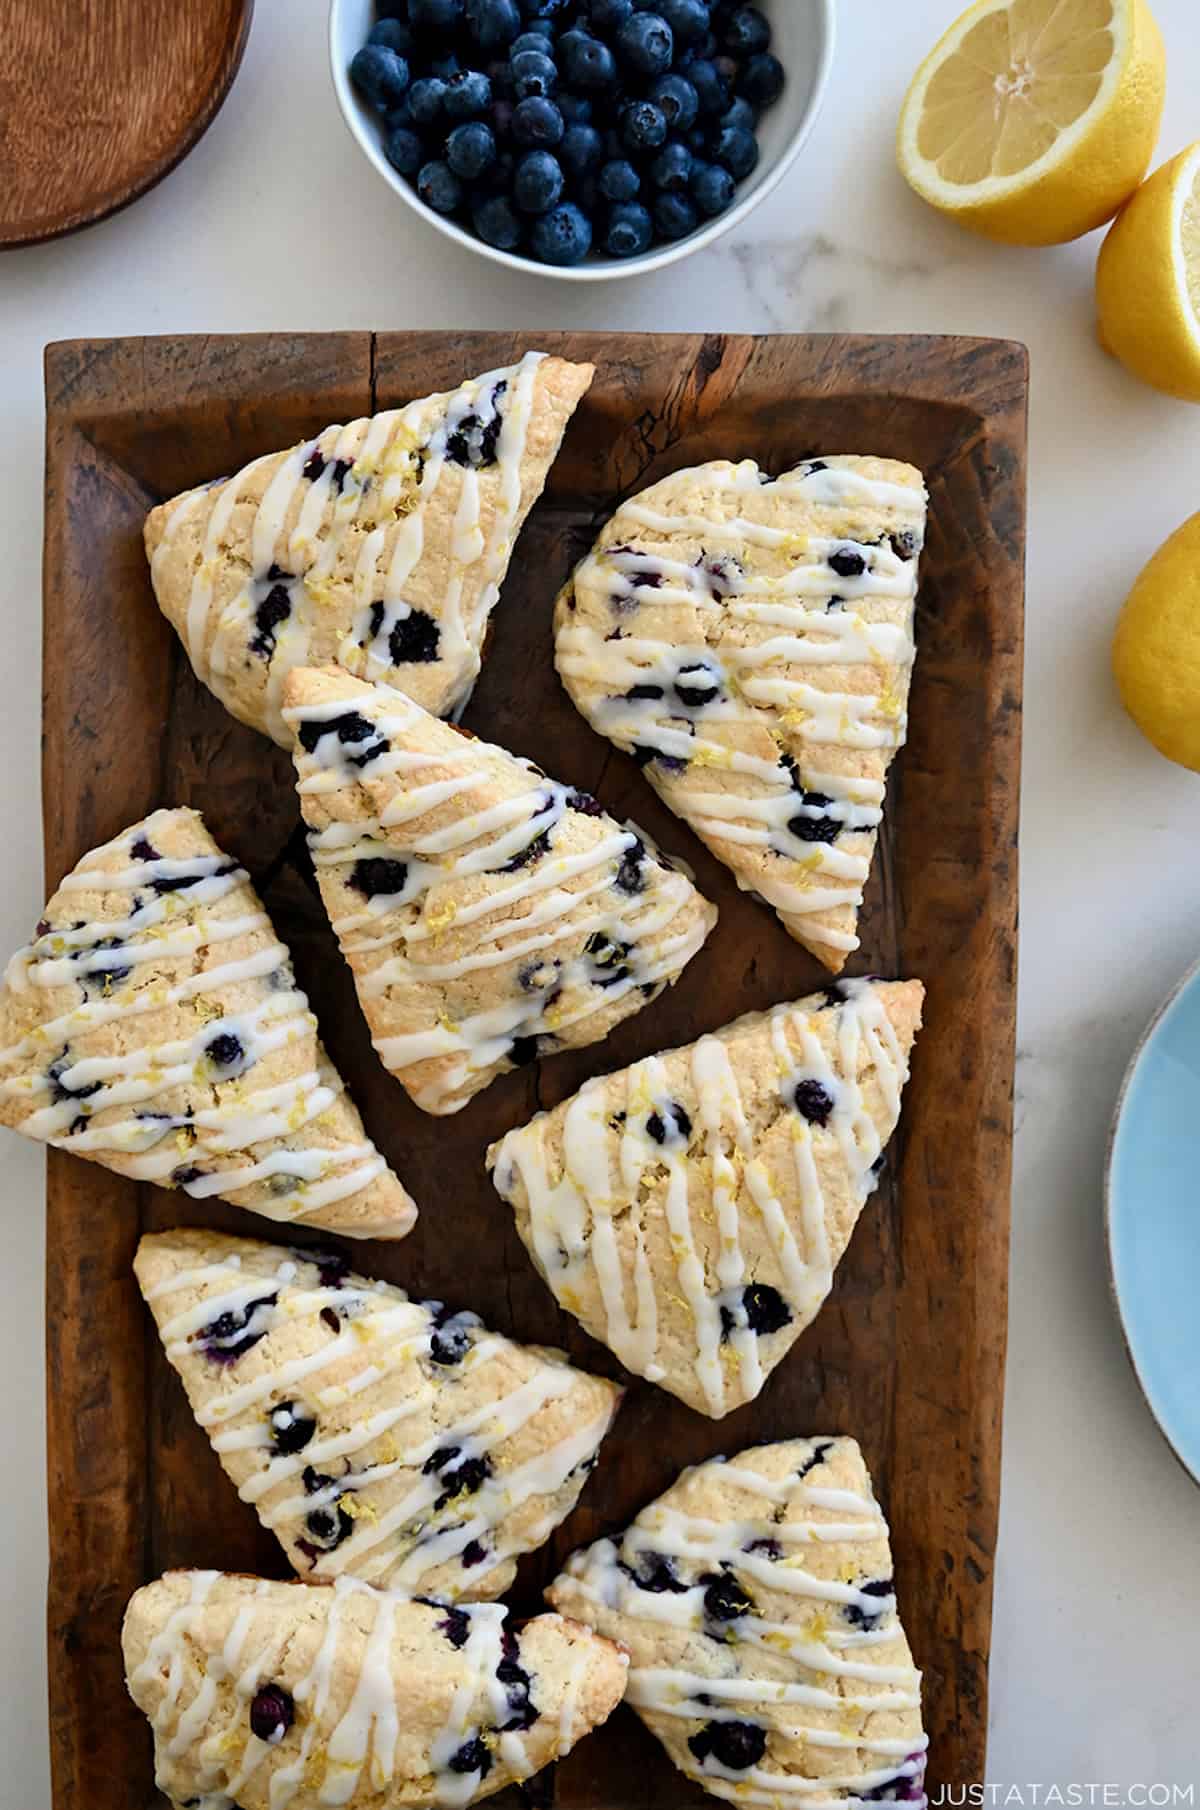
[(1156, 650), (1033, 120), (1148, 280)]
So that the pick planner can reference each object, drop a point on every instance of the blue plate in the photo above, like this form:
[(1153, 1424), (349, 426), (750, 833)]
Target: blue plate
[(1152, 1204)]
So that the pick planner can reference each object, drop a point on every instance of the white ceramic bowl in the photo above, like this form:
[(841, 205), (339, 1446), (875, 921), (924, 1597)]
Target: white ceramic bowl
[(803, 40)]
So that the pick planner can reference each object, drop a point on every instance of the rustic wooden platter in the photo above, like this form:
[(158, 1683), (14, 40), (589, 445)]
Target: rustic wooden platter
[(908, 1353), (84, 133)]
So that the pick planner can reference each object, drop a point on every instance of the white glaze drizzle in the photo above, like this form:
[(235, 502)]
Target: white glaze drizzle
[(575, 1198), (376, 477), (234, 1134), (758, 677), (565, 907), (375, 1468), (604, 1584)]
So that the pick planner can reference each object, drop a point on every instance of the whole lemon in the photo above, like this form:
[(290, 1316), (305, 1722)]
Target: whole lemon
[(1156, 650)]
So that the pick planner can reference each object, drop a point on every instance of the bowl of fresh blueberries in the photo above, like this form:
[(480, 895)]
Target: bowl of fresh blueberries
[(583, 138)]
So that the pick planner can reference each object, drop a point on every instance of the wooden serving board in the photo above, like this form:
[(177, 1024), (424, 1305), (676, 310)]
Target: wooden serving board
[(100, 101), (908, 1353)]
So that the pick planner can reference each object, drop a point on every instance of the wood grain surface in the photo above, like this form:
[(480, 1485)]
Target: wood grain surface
[(100, 98), (908, 1353)]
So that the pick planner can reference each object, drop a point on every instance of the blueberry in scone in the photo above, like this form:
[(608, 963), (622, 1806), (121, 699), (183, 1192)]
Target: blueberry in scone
[(154, 1025), (381, 545), (690, 1211), (490, 914), (393, 1440), (749, 641), (774, 1669), (278, 1696)]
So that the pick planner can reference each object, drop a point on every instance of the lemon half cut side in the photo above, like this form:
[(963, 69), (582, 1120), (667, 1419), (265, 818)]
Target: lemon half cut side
[(1148, 280), (1032, 121)]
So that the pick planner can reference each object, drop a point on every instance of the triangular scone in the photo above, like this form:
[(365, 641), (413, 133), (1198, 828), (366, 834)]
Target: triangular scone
[(382, 544), (390, 1439), (272, 1695), (489, 914), (749, 640), (757, 1603), (690, 1210), (154, 1025)]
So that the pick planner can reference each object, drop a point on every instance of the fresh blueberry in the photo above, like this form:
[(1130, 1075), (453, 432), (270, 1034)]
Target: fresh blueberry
[(847, 562), (380, 75), (737, 149), (672, 168), (435, 15), (688, 19), (425, 99), (377, 876), (630, 230), (619, 181), (537, 182), (734, 1745), (813, 1100), (646, 43), (291, 1429), (563, 236), (470, 149), (582, 149), (494, 23), (537, 37), (644, 126), (739, 112), (468, 94), (678, 100), (762, 80), (609, 15), (445, 67), (405, 152), (747, 32), (501, 117), (588, 62), (497, 223), (272, 1713), (712, 92), (472, 1756), (675, 216), (537, 121), (724, 1599), (439, 188), (576, 109), (712, 188), (535, 75), (391, 34)]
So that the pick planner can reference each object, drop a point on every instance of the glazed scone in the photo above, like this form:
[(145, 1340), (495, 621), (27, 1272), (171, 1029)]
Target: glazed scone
[(690, 1210), (382, 544), (154, 1025), (749, 640), (490, 915), (289, 1697), (757, 1604), (390, 1439)]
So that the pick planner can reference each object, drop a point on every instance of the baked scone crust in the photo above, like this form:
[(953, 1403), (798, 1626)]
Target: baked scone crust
[(381, 544), (690, 1211), (749, 640), (757, 1602), (390, 1439), (291, 1697), (489, 914), (154, 1025)]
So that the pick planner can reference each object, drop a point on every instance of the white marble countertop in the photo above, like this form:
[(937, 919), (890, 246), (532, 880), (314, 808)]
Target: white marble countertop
[(275, 222)]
